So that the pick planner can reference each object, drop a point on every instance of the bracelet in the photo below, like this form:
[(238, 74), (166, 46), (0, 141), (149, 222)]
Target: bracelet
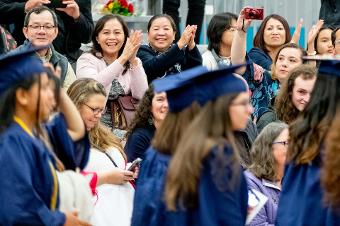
[(312, 53)]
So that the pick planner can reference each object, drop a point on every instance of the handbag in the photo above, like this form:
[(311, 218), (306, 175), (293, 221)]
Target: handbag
[(123, 110)]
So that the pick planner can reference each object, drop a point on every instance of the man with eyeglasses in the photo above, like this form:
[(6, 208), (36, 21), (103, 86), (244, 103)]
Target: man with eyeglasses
[(75, 23), (40, 29)]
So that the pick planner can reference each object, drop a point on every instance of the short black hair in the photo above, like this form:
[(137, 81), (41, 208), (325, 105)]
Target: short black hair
[(38, 10)]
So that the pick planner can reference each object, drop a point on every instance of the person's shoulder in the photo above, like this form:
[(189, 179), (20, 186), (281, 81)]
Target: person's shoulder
[(89, 56), (256, 50), (146, 48)]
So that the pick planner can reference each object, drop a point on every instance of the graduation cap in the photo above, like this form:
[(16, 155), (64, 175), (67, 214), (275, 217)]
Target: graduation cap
[(199, 84), (331, 67), (18, 65)]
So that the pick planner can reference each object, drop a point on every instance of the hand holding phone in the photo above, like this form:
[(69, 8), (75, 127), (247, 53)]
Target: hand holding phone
[(253, 13), (56, 4), (134, 164)]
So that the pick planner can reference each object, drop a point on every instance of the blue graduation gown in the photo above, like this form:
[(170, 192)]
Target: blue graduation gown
[(215, 207), (148, 205), (28, 187), (71, 153), (301, 198)]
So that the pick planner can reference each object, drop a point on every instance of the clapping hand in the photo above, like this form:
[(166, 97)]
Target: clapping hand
[(186, 36), (131, 47), (296, 36), (192, 44), (314, 31)]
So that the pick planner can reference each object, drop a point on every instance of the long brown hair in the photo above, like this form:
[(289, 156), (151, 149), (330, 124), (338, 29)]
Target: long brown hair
[(170, 132), (100, 137), (308, 131), (285, 109), (210, 128), (330, 173)]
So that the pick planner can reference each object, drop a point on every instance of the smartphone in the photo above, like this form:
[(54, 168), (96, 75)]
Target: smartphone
[(253, 13), (56, 4), (135, 163)]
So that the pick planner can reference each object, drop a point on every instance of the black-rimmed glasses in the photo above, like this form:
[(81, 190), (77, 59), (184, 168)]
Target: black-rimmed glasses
[(37, 27), (284, 143), (96, 111)]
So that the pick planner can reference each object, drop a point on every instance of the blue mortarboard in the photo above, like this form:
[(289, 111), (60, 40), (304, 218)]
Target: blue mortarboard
[(331, 67), (18, 65), (198, 84)]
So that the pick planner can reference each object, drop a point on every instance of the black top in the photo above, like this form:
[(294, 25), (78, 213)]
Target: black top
[(138, 142), (174, 60)]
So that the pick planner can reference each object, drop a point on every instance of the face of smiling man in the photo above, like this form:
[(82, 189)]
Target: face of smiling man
[(41, 29)]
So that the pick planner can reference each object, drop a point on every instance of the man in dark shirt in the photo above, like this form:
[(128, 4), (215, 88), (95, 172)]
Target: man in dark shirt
[(74, 22)]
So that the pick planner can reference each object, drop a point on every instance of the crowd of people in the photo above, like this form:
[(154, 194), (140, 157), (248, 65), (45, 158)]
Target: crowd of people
[(211, 130)]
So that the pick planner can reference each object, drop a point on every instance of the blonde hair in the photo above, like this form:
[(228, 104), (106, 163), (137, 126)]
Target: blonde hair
[(100, 136)]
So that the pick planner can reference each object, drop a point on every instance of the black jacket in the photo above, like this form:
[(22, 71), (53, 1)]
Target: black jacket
[(175, 60), (330, 12), (71, 33)]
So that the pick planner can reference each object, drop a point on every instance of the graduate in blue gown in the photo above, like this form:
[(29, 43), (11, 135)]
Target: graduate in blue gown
[(29, 186), (302, 197), (149, 206)]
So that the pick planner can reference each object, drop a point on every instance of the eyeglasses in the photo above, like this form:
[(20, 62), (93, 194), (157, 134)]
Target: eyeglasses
[(284, 143), (37, 27), (245, 103), (96, 111)]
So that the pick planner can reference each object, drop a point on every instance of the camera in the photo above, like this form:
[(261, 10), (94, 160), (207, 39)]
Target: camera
[(253, 13), (56, 4)]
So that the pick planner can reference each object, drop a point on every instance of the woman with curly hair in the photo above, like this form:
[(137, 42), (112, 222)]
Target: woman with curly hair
[(301, 201), (150, 114), (295, 93), (265, 173)]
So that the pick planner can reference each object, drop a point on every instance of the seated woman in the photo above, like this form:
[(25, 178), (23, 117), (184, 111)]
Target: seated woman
[(113, 62), (150, 114), (272, 34), (162, 57), (26, 101), (107, 158), (220, 35), (265, 173), (295, 93), (264, 85)]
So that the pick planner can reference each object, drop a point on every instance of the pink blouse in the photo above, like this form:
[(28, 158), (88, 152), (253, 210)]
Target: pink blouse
[(134, 80)]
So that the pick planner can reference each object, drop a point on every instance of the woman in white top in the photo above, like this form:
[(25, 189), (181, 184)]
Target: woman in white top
[(112, 182), (220, 34)]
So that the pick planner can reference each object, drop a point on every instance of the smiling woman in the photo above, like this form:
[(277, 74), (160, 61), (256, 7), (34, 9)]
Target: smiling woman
[(170, 58), (113, 62)]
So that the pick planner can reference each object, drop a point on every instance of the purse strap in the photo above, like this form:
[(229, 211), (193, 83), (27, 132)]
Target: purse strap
[(96, 146), (111, 159)]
